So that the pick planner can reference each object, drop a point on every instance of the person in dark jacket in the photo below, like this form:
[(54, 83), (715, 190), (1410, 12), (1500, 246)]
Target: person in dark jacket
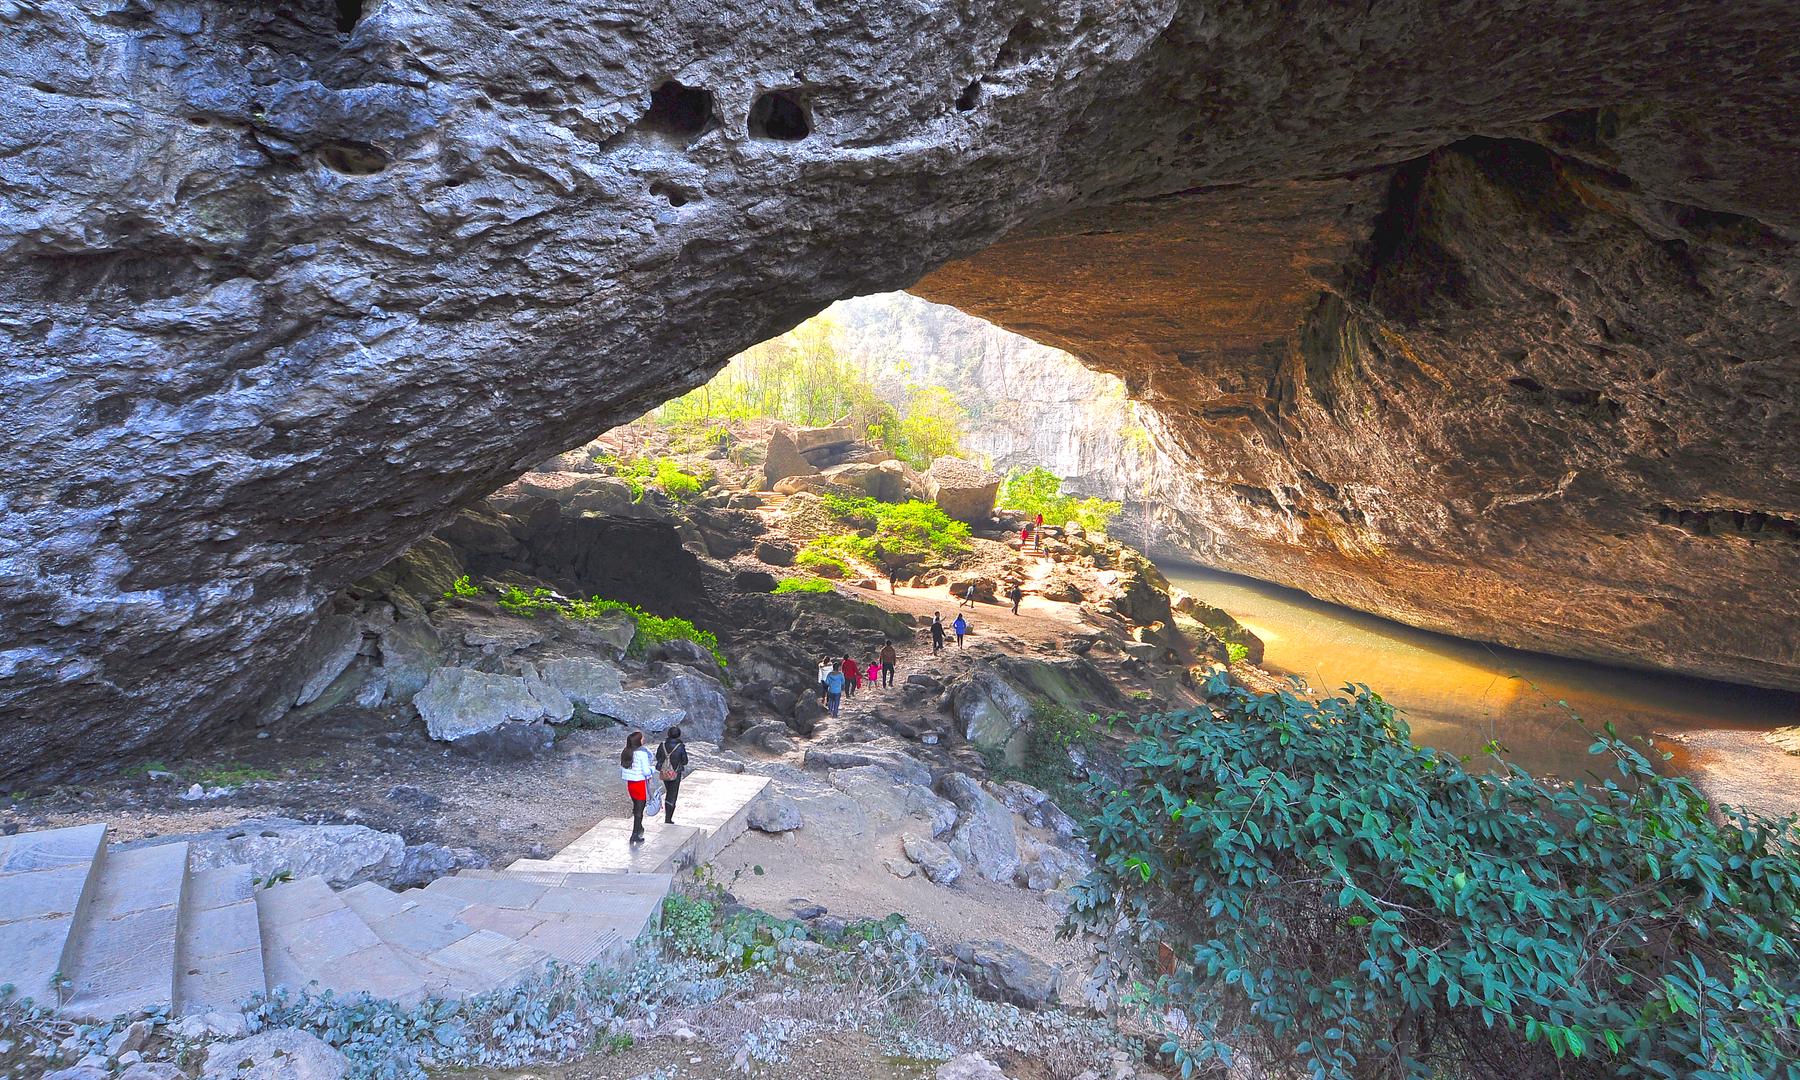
[(671, 765), (1015, 594), (937, 633)]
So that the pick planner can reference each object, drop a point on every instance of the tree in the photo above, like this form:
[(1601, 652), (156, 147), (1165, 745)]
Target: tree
[(1037, 490)]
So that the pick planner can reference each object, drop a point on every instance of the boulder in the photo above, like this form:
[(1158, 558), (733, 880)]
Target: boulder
[(280, 1054), (688, 654), (480, 530), (701, 704), (999, 972), (774, 813), (968, 1067), (804, 720), (410, 651), (804, 517), (759, 581), (153, 1070), (609, 632), (1043, 867), (879, 794), (812, 440), (327, 652), (774, 552), (961, 489), (494, 635), (983, 836), (939, 865), (986, 589), (987, 708), (600, 495), (783, 459), (589, 684), (343, 855), (512, 741), (883, 481), (459, 702), (1036, 808), (904, 768)]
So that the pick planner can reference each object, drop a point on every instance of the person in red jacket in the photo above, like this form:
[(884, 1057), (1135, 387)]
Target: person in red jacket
[(852, 676)]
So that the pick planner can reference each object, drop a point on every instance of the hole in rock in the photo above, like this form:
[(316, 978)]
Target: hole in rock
[(348, 13), (674, 195), (679, 110), (1022, 45), (353, 158), (970, 97), (777, 115), (1747, 524), (1528, 384)]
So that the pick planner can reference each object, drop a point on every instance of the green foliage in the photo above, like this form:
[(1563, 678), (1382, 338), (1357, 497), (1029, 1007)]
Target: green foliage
[(1037, 490), (928, 426), (662, 473), (905, 532), (462, 587), (834, 555), (802, 585), (652, 630), (1382, 910), (1236, 653)]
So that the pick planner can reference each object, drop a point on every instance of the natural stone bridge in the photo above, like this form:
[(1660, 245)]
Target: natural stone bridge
[(1480, 316)]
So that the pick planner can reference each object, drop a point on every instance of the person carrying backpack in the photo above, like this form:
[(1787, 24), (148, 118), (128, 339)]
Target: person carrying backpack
[(1015, 594), (961, 626), (671, 765), (888, 659), (937, 633)]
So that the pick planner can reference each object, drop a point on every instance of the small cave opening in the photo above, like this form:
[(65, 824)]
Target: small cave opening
[(779, 115), (353, 158), (970, 96), (675, 196), (679, 110), (1023, 44), (349, 13)]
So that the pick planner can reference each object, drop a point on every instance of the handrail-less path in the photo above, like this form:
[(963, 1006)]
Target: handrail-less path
[(103, 931)]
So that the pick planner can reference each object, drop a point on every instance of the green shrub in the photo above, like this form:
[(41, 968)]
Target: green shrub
[(1044, 763), (462, 587), (527, 604), (802, 585), (663, 473), (1037, 490), (1379, 909), (903, 532), (652, 630), (837, 553), (1236, 653)]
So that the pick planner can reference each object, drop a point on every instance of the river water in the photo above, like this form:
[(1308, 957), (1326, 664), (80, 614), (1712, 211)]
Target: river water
[(1458, 694)]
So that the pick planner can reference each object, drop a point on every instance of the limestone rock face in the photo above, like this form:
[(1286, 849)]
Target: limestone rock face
[(284, 285), (783, 458)]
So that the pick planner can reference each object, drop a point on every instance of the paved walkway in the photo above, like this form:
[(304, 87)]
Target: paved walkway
[(104, 932)]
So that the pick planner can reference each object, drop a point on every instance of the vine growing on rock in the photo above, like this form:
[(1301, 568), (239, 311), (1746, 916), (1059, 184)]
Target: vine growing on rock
[(652, 630), (1322, 884)]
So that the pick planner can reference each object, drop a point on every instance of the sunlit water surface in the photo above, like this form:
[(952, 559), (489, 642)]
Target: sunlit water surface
[(1459, 694)]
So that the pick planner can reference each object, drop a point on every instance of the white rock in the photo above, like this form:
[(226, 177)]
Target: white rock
[(281, 1054), (969, 1067)]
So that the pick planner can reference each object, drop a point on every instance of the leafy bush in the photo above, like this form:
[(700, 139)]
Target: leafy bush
[(676, 482), (652, 630), (527, 604), (1037, 490), (835, 555), (462, 587), (664, 473), (904, 532), (1236, 653), (802, 585), (1383, 910)]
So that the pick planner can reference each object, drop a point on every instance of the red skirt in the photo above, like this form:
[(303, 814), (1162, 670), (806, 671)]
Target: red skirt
[(640, 789)]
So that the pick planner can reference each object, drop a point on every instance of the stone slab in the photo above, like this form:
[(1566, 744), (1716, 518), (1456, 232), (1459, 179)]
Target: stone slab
[(310, 936), (123, 960), (219, 952), (605, 849), (635, 884), (46, 880)]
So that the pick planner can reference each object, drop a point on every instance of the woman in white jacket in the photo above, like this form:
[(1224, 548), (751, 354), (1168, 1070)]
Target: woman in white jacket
[(636, 767)]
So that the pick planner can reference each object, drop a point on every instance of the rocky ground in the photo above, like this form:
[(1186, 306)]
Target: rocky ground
[(438, 728)]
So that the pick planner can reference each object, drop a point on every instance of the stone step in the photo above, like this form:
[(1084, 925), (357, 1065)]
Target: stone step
[(719, 805), (124, 955), (456, 959), (219, 958), (656, 885), (46, 884), (606, 849), (311, 936), (577, 926)]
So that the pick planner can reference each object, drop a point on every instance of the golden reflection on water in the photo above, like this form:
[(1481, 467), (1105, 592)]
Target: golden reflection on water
[(1458, 694)]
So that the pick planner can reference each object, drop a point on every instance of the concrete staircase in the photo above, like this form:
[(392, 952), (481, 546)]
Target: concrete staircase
[(102, 931)]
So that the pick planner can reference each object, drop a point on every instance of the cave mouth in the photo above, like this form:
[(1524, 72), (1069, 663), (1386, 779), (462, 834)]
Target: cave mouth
[(678, 109), (779, 115), (349, 13)]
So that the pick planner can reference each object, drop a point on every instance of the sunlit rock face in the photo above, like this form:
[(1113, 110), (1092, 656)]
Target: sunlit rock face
[(1529, 400), (283, 284)]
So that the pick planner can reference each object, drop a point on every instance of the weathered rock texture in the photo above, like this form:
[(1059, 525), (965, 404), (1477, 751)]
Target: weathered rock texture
[(285, 284)]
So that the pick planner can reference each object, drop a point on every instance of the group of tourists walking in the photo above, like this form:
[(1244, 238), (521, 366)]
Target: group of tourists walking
[(960, 627), (637, 767), (843, 678)]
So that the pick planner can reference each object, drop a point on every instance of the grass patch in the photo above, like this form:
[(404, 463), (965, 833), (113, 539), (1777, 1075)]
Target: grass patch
[(902, 532), (802, 585), (663, 473)]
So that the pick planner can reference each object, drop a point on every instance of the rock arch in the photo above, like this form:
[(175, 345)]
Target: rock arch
[(244, 366)]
